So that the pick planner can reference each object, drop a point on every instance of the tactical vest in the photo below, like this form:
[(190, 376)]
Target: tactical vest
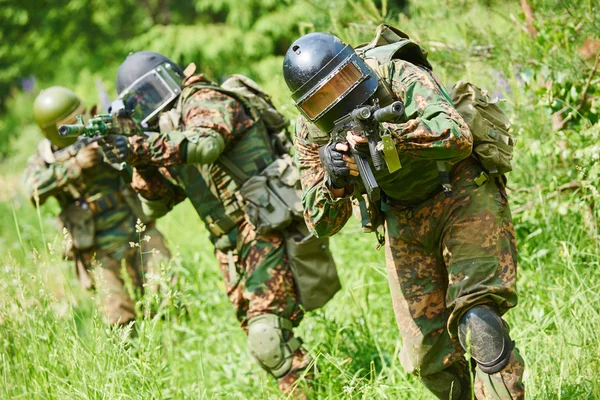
[(493, 142), (262, 187), (87, 202), (214, 189)]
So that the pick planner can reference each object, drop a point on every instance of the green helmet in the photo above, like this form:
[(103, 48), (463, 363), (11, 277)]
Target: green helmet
[(56, 106)]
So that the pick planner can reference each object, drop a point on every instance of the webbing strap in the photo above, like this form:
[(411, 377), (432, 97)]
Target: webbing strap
[(233, 275), (294, 344), (103, 202), (444, 178), (233, 170), (284, 323)]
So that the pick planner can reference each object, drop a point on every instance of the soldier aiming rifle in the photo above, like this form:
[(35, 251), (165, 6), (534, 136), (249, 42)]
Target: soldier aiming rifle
[(449, 238), (98, 208)]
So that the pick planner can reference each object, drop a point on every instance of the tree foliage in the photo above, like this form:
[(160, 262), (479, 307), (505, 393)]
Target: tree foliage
[(73, 43)]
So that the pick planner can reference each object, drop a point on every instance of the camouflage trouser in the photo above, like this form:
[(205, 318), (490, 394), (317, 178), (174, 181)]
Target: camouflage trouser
[(444, 257), (259, 281), (101, 270)]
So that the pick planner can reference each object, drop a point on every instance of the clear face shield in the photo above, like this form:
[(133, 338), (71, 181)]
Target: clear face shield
[(151, 93), (330, 92)]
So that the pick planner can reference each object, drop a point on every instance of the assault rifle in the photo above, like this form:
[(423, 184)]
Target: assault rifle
[(100, 126), (366, 121)]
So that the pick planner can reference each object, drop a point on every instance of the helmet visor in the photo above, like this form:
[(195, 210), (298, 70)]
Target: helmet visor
[(148, 95), (332, 91)]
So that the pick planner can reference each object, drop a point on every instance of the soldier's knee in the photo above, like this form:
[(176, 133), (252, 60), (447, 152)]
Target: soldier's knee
[(267, 344), (484, 334)]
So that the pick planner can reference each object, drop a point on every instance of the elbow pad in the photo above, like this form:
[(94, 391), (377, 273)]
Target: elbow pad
[(204, 149)]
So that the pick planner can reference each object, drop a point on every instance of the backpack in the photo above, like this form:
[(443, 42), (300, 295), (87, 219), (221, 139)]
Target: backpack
[(248, 91), (493, 141), (256, 101), (271, 198)]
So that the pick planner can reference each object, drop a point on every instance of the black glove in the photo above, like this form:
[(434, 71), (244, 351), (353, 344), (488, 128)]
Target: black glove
[(362, 150), (335, 166), (116, 148)]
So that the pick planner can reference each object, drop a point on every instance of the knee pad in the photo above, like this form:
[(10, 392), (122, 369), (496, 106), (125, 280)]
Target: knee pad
[(484, 334), (267, 345)]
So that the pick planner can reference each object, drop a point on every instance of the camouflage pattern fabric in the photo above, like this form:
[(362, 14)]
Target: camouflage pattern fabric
[(476, 265), (102, 271), (290, 384), (505, 384), (255, 268), (444, 255), (94, 192), (434, 131), (260, 281)]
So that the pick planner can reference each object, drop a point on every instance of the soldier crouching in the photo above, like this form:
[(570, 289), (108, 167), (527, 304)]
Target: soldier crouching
[(98, 209), (449, 237), (217, 147)]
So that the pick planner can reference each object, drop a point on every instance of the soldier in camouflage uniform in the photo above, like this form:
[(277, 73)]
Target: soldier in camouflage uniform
[(97, 208), (451, 259), (211, 140)]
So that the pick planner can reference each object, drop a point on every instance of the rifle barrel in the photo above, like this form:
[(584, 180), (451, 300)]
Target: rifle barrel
[(71, 130), (388, 113)]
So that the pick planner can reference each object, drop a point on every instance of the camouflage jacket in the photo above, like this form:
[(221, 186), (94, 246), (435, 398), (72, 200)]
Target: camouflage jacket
[(97, 193), (212, 126), (433, 131)]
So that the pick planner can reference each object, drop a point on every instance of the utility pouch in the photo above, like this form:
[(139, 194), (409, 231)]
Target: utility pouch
[(79, 221), (313, 267), (228, 241), (264, 209), (493, 140), (273, 197)]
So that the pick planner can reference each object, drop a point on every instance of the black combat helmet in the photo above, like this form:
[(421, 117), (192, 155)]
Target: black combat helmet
[(148, 82), (327, 78)]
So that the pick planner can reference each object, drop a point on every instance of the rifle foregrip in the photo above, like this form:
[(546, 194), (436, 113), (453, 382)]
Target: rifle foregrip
[(378, 162)]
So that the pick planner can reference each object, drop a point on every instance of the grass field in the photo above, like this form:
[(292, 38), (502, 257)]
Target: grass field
[(53, 344)]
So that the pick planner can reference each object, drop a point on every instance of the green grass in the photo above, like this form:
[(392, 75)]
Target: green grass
[(53, 344)]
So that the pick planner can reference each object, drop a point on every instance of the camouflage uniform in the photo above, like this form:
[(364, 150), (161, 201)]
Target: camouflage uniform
[(98, 211), (444, 254), (255, 267)]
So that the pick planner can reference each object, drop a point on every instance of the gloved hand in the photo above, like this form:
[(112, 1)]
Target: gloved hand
[(116, 148), (359, 144), (338, 163), (89, 156)]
